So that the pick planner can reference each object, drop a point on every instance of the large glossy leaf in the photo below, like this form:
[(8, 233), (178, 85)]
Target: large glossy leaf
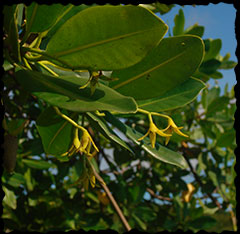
[(64, 92), (106, 37), (175, 98), (41, 17), (160, 152), (171, 63), (55, 132), (107, 131)]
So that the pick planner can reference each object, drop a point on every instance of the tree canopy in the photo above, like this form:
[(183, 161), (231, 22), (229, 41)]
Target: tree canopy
[(110, 122)]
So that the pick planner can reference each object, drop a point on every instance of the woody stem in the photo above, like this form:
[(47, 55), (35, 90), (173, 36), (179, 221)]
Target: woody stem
[(111, 198)]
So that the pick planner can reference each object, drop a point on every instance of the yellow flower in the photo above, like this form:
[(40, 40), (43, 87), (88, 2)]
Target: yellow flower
[(187, 195), (75, 145), (172, 127), (83, 145), (152, 131), (86, 142)]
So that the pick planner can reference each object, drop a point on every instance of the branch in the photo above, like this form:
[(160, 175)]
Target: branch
[(197, 178), (158, 196), (111, 198)]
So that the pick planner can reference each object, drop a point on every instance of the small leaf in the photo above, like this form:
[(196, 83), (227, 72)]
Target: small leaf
[(37, 164), (195, 30), (9, 198), (179, 21), (213, 50)]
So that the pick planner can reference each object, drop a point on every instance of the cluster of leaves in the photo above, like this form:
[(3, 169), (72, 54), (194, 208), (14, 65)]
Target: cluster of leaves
[(153, 73)]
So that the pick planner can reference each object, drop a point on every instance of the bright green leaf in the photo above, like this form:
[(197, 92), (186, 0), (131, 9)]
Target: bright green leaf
[(106, 37), (175, 98), (41, 17), (168, 65), (9, 198), (37, 164)]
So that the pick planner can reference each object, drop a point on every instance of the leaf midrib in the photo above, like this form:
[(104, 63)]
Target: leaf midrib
[(83, 47), (147, 71)]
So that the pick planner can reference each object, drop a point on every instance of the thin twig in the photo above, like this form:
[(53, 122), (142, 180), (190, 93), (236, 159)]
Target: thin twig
[(158, 196), (111, 198)]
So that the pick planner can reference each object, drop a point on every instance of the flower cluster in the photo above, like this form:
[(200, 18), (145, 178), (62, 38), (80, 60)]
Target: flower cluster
[(167, 132), (83, 146)]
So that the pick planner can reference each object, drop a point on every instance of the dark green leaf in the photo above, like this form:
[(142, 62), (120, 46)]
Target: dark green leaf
[(209, 67), (64, 92), (203, 222), (107, 131), (213, 50), (195, 30), (55, 132)]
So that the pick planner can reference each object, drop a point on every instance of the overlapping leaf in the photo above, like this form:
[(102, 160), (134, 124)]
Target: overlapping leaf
[(160, 152), (175, 98), (168, 65), (106, 37), (64, 92)]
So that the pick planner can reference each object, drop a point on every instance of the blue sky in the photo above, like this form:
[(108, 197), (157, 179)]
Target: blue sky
[(219, 22)]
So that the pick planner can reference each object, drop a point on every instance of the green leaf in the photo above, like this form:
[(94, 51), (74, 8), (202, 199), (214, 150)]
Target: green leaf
[(71, 11), (14, 180), (10, 28), (228, 65), (195, 30), (9, 198), (37, 164), (64, 92), (107, 131), (41, 17), (171, 63), (179, 21), (203, 222), (209, 67), (217, 105), (106, 37), (175, 98), (160, 152), (226, 139), (214, 49), (55, 132), (139, 222)]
